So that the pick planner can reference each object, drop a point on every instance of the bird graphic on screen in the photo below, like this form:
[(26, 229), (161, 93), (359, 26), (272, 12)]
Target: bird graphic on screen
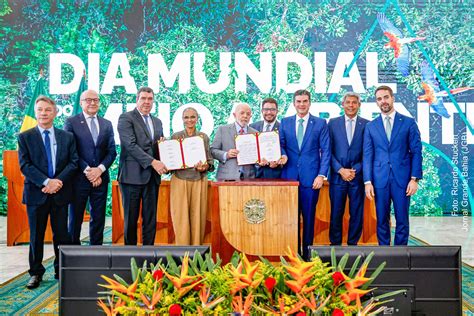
[(433, 95), (397, 43)]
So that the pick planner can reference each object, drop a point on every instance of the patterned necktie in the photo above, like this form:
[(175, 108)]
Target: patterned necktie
[(388, 127), (147, 125), (267, 129), (300, 134), (241, 131), (49, 156), (349, 131), (94, 131)]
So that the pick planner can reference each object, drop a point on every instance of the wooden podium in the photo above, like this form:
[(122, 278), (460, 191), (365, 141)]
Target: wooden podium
[(232, 229), (18, 230)]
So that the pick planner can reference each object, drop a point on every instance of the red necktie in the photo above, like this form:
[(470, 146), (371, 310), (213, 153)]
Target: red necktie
[(241, 132)]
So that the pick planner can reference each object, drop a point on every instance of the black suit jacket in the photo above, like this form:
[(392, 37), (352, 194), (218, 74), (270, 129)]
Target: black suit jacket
[(137, 148), (34, 165), (91, 155)]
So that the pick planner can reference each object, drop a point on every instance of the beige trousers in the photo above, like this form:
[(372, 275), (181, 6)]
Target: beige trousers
[(188, 204)]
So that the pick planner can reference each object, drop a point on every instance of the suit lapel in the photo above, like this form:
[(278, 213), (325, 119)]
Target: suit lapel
[(85, 128), (141, 122), (397, 124), (381, 129), (276, 126), (308, 131), (59, 146), (100, 122), (39, 140), (342, 126), (357, 130)]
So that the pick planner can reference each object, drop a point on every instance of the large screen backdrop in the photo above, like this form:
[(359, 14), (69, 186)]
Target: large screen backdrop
[(212, 55)]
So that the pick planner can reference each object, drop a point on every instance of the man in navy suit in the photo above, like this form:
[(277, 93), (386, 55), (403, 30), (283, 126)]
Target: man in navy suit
[(269, 169), (347, 137), (140, 169), (306, 154), (392, 166), (48, 160), (95, 143)]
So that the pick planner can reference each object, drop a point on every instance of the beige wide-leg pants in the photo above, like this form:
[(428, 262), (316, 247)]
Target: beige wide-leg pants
[(188, 204)]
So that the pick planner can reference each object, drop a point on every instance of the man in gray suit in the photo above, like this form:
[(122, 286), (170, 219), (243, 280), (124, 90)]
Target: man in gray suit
[(268, 169), (140, 169), (223, 146)]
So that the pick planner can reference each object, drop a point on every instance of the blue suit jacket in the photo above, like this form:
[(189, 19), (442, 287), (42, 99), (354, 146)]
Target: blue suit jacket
[(91, 155), (34, 165), (402, 154), (266, 172), (314, 157), (343, 155)]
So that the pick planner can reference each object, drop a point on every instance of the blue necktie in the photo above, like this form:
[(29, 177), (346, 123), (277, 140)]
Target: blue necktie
[(49, 156), (94, 131), (300, 134), (148, 126)]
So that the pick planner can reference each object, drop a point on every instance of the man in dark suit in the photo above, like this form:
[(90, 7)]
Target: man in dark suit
[(95, 143), (306, 154), (269, 169), (392, 166), (347, 137), (48, 160), (223, 146), (140, 169)]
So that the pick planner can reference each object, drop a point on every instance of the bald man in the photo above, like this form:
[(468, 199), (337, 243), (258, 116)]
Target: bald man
[(95, 143), (223, 146)]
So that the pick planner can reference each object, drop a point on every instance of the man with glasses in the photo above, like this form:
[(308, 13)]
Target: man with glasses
[(269, 169), (96, 149)]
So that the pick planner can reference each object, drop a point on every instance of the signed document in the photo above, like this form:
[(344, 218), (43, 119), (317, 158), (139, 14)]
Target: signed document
[(193, 151), (182, 153), (255, 147), (269, 146), (247, 146)]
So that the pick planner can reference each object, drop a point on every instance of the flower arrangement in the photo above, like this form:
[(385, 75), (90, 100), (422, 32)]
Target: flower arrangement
[(201, 286)]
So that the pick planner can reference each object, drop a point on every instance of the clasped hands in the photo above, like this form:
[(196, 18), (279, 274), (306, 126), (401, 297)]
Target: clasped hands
[(94, 176), (53, 186), (347, 174)]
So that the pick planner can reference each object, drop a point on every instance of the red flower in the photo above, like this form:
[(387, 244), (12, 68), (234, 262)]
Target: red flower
[(157, 275), (197, 287), (175, 310), (337, 311), (337, 277), (301, 314), (270, 283)]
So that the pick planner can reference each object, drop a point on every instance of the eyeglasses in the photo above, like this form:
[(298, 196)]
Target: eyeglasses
[(90, 100), (269, 110)]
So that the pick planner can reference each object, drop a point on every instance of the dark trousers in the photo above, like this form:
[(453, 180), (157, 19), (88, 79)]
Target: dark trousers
[(307, 200), (384, 197), (38, 220), (97, 198), (338, 194), (132, 195)]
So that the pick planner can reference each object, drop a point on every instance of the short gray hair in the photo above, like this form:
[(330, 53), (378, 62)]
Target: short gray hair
[(47, 100), (190, 108), (351, 94)]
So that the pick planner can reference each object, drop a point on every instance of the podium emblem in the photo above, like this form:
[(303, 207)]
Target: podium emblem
[(254, 211)]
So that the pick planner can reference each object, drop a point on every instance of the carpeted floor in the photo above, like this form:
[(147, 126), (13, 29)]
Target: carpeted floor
[(17, 300)]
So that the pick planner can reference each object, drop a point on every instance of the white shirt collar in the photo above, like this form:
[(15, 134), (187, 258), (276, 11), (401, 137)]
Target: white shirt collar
[(87, 116), (347, 118), (391, 115), (305, 118)]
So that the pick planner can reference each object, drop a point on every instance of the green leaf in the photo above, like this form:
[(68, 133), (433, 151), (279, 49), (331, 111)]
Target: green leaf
[(342, 263), (134, 269), (354, 267), (374, 275)]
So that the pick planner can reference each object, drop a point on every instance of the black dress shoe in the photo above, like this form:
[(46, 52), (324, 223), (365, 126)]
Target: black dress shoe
[(34, 282), (56, 276)]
